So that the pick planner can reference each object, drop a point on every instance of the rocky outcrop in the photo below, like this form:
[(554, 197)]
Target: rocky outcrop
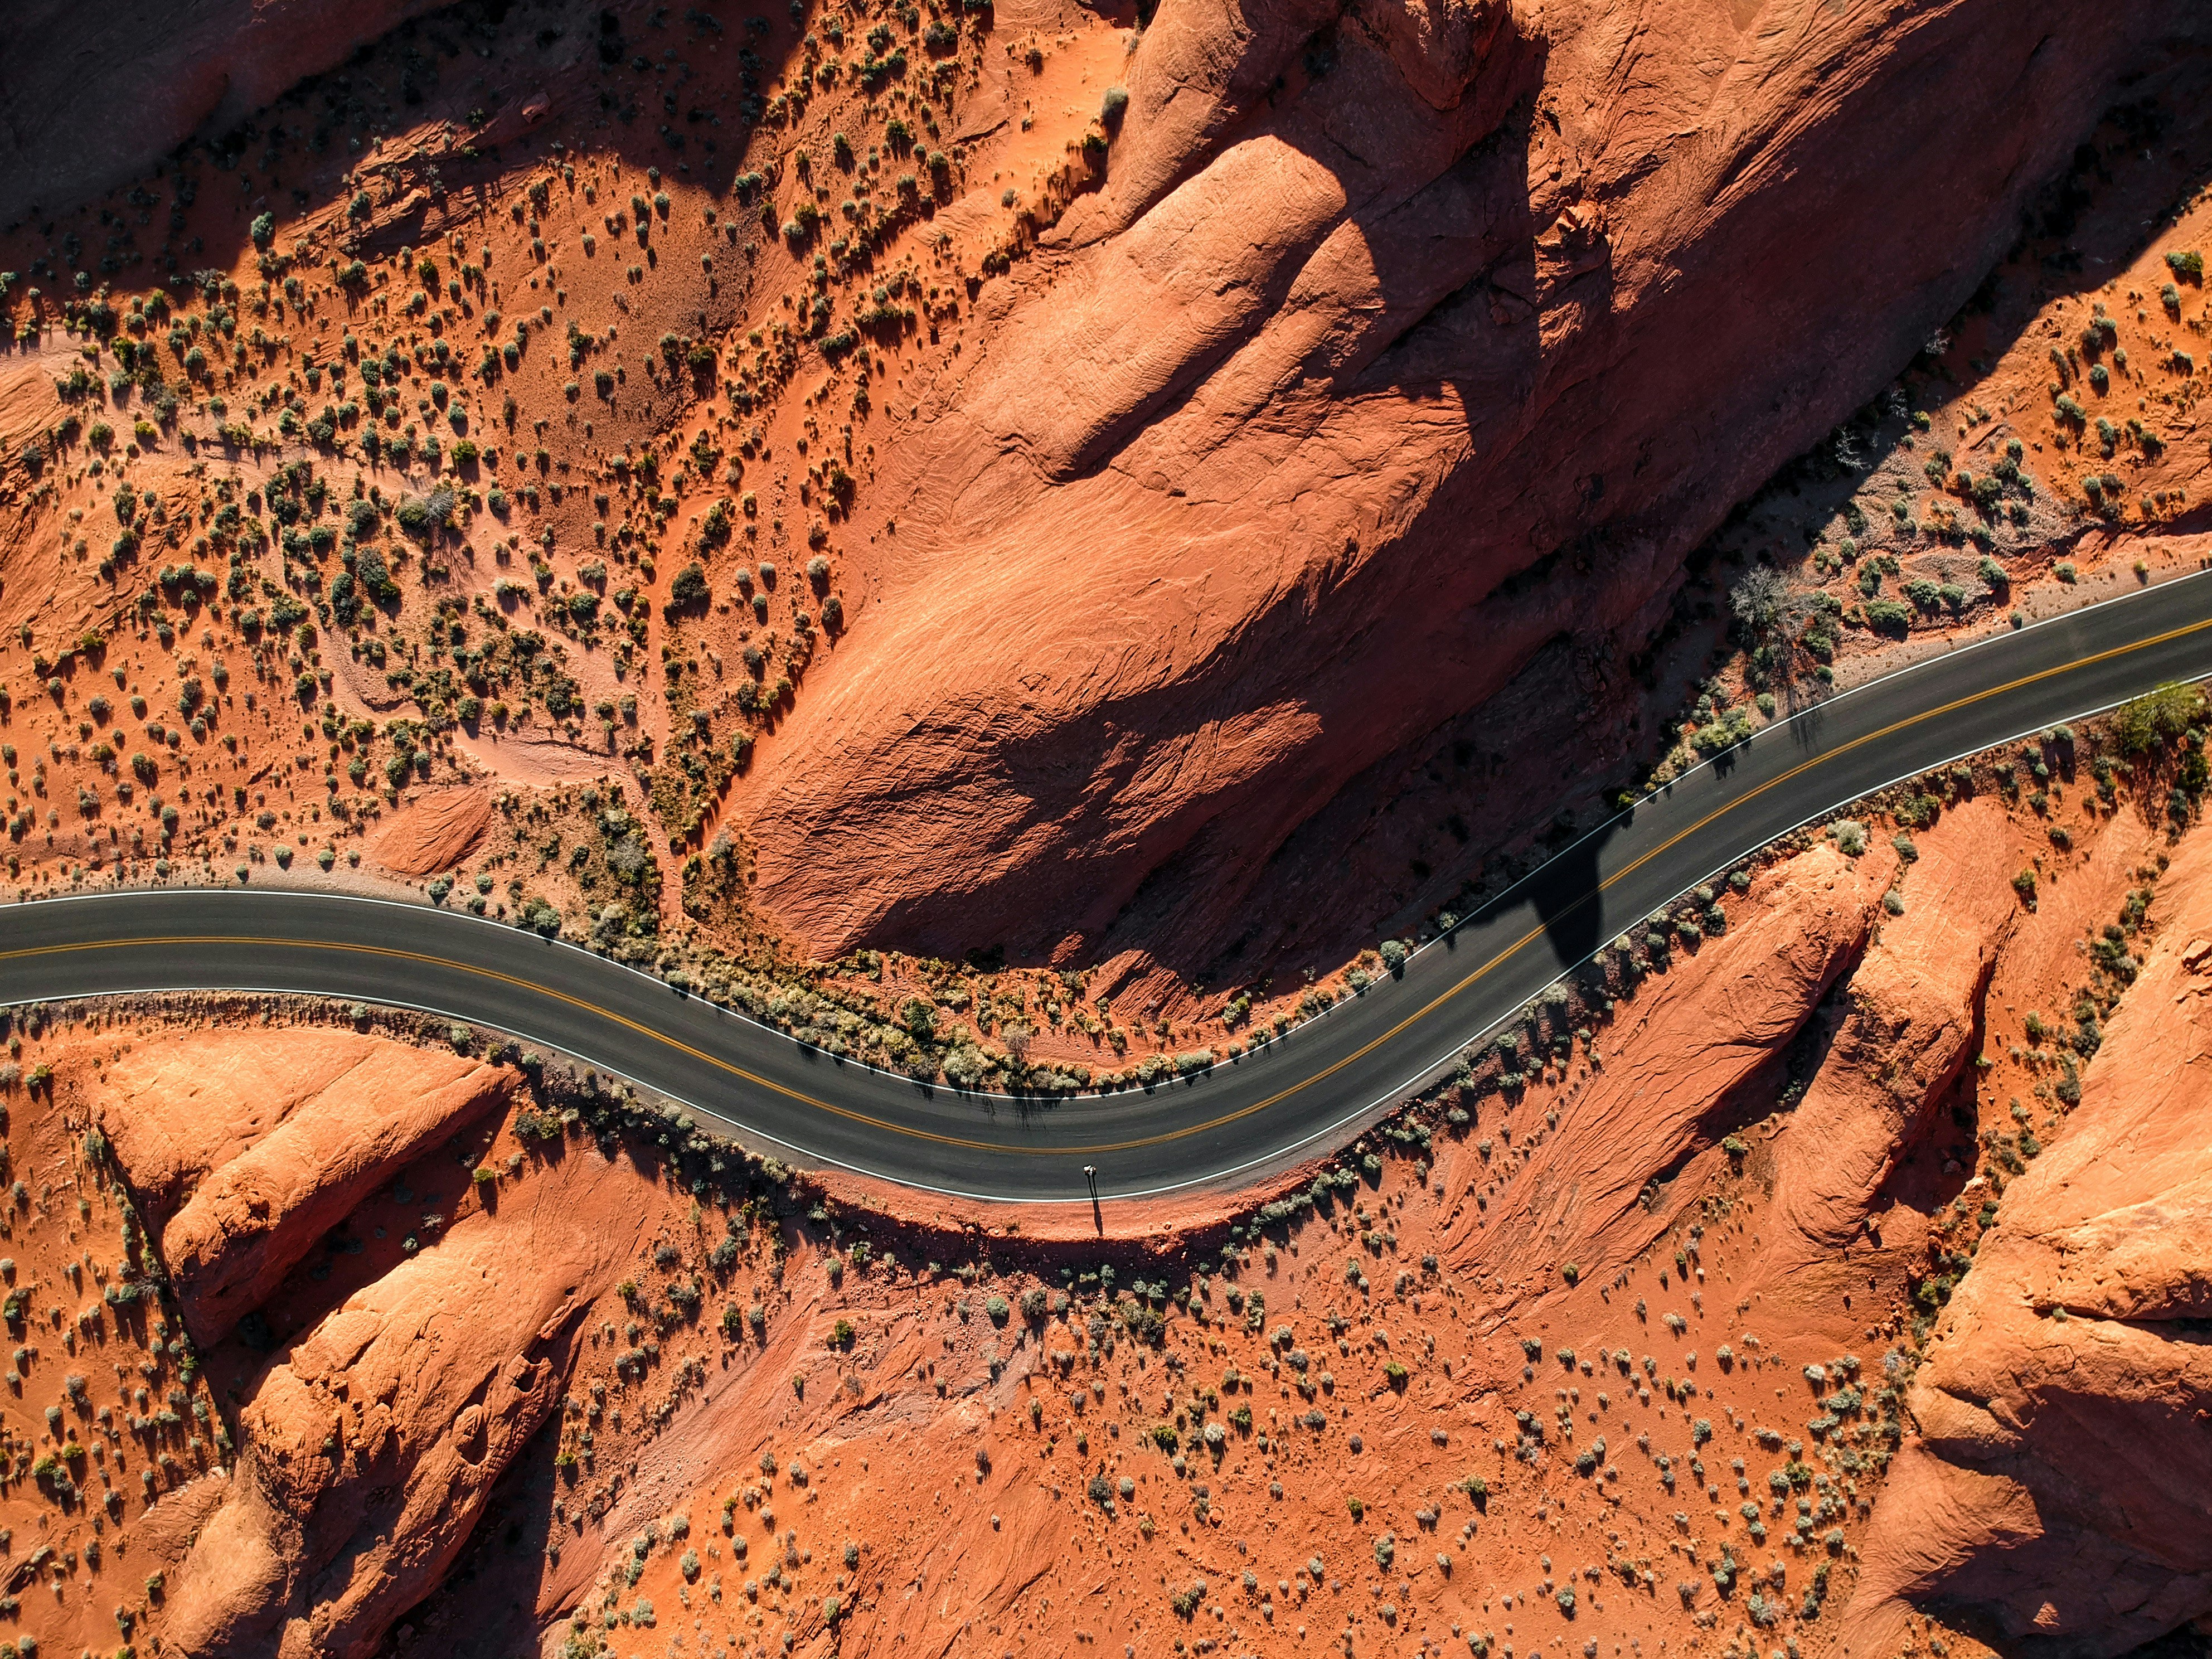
[(2052, 1499), (1908, 1028), (1672, 1062), (371, 1447), (368, 1444), (435, 831), (245, 1152), (93, 91), (1385, 358)]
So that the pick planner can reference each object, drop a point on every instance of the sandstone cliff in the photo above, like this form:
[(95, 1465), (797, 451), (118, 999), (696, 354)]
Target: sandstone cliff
[(1387, 355), (104, 90), (246, 1154), (2052, 1501)]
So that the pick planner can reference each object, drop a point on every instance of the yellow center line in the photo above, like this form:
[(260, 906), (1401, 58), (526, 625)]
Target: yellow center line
[(967, 1143), (531, 986), (1626, 871)]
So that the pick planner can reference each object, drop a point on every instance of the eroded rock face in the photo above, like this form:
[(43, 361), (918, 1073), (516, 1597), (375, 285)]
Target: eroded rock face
[(1227, 502), (1682, 1045), (2053, 1499), (368, 1444), (103, 88), (247, 1151), (1910, 1026), (369, 1448)]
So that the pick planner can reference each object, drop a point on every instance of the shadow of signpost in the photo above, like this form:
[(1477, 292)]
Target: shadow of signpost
[(1567, 900)]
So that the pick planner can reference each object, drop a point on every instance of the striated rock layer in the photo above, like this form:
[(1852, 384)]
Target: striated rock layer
[(111, 86), (246, 1152), (373, 1444), (1910, 1025), (369, 1442), (2053, 1499), (1395, 348)]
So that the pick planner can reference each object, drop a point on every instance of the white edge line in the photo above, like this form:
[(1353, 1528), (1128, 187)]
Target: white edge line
[(1282, 1156), (1496, 902)]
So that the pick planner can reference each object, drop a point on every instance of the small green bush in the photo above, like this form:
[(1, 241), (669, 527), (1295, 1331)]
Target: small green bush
[(2156, 717), (689, 587), (1888, 616)]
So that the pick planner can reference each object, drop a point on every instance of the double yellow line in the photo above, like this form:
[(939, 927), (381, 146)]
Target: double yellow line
[(964, 1143)]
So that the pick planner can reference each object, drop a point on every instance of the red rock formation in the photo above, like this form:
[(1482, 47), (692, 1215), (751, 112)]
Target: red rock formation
[(372, 1444), (1227, 499), (1679, 1049), (1909, 1027), (98, 89), (2053, 1498), (245, 1152), (435, 831)]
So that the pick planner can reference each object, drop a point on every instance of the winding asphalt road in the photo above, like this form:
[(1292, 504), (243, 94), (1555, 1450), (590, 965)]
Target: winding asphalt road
[(1239, 1119)]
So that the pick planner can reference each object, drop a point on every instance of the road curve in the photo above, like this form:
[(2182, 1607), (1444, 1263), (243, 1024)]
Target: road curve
[(1233, 1123)]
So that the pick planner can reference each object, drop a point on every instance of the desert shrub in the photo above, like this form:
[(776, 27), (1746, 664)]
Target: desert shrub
[(2156, 717), (1888, 616), (689, 586)]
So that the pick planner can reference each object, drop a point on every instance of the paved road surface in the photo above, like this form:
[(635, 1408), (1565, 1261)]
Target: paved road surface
[(1239, 1120)]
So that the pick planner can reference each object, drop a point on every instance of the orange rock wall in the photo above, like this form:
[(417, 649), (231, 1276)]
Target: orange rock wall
[(1222, 508), (246, 1154), (2049, 1499)]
